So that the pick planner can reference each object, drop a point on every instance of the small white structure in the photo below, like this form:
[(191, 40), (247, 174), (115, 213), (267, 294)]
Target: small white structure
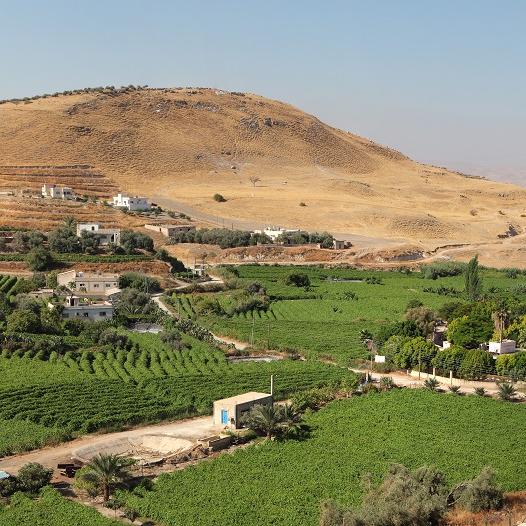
[(105, 236), (273, 232), (90, 283), (57, 192), (131, 203), (446, 345), (170, 230), (228, 412), (378, 358), (504, 347), (76, 307)]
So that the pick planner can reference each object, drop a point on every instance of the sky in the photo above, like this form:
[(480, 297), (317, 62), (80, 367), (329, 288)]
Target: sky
[(442, 81)]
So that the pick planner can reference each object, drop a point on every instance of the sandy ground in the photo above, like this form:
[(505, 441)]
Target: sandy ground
[(191, 430)]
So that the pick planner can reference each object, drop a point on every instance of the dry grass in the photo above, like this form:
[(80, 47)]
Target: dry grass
[(187, 145), (513, 513)]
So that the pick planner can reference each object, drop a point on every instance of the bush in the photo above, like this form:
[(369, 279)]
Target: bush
[(139, 281), (131, 241), (21, 321), (482, 493), (172, 338), (39, 259), (33, 477), (476, 365), (219, 198), (442, 270), (297, 279)]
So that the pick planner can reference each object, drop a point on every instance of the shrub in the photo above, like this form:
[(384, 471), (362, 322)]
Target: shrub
[(297, 279), (431, 384), (33, 477), (507, 391), (455, 389), (39, 259), (139, 281), (219, 198), (482, 493), (476, 365), (131, 241), (480, 391)]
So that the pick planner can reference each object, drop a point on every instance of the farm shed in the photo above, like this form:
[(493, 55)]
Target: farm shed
[(171, 229), (229, 411)]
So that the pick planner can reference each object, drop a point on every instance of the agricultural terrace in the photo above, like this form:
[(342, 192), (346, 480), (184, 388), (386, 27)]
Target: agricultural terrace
[(50, 509), (49, 396), (325, 318), (283, 483)]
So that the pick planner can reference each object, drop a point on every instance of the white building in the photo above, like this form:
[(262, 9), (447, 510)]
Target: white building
[(104, 235), (273, 232), (57, 192), (76, 307), (90, 283), (504, 347), (131, 203)]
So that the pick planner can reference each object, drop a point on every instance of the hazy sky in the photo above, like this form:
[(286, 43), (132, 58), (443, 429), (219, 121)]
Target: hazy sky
[(443, 81)]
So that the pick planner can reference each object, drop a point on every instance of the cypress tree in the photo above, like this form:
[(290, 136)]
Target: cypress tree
[(473, 280)]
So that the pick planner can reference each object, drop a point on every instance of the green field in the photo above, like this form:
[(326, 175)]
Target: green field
[(283, 483), (320, 321), (48, 399), (50, 509), (8, 284)]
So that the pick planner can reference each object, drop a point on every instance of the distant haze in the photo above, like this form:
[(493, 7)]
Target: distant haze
[(503, 174)]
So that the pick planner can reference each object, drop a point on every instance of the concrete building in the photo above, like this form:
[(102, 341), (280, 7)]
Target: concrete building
[(131, 203), (228, 412), (105, 236), (57, 192), (76, 307), (170, 230), (273, 232), (89, 283), (339, 244), (504, 347)]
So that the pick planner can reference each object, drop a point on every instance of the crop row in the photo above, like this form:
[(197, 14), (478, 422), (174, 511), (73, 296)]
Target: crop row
[(289, 480)]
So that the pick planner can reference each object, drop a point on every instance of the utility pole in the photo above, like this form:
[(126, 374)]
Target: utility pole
[(271, 385)]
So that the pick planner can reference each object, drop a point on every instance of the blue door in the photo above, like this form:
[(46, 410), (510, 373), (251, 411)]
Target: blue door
[(224, 416)]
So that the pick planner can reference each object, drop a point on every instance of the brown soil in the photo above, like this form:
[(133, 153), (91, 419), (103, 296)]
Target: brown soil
[(186, 145), (513, 513)]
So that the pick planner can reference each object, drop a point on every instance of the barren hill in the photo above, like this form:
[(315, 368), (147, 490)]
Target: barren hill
[(272, 162)]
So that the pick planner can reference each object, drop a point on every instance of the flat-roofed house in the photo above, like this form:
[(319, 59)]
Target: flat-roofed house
[(89, 283), (229, 412), (57, 192), (170, 230), (76, 307), (106, 236), (132, 203)]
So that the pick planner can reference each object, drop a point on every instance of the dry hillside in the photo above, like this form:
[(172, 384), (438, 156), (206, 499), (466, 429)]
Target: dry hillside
[(181, 146)]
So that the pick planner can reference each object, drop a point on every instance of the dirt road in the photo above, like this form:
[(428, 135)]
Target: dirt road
[(191, 429)]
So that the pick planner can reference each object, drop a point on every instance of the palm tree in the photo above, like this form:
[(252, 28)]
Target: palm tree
[(455, 389), (480, 391), (507, 391), (106, 470), (386, 383), (431, 384), (272, 419), (500, 319)]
